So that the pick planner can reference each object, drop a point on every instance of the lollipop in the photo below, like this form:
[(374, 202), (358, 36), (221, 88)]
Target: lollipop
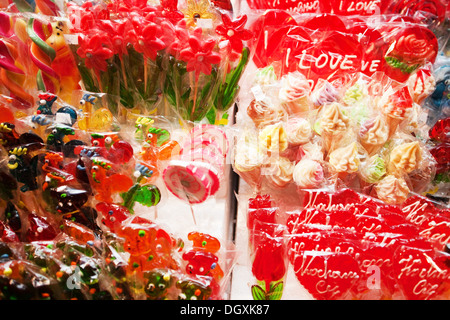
[(191, 181), (42, 54), (13, 77)]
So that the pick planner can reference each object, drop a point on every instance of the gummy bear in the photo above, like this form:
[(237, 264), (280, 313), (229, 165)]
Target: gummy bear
[(68, 199), (157, 283), (204, 241), (39, 229), (112, 214), (203, 263), (191, 289), (106, 182)]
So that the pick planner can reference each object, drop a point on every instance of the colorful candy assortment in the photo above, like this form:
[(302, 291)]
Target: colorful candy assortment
[(340, 134), (110, 109)]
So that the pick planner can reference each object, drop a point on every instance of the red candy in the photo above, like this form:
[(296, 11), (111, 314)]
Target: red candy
[(204, 241), (203, 263), (39, 229), (112, 214), (441, 130)]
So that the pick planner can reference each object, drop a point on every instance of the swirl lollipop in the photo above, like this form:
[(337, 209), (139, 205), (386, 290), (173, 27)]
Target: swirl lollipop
[(42, 55), (13, 77)]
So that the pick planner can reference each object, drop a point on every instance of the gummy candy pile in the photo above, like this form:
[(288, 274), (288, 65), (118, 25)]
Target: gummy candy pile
[(334, 114)]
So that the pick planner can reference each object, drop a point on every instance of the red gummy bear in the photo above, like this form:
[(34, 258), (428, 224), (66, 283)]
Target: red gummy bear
[(149, 246), (138, 236), (203, 263), (112, 214), (39, 229), (204, 241)]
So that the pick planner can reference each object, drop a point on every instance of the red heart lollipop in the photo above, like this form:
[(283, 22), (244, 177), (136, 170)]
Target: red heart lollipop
[(360, 8), (419, 275), (326, 275), (269, 30)]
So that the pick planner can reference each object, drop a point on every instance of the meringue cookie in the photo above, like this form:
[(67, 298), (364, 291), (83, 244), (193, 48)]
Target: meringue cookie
[(404, 158), (374, 170), (392, 190), (325, 94), (422, 84), (265, 76), (298, 131), (273, 138), (279, 172), (373, 134), (333, 120), (308, 174), (263, 113), (294, 93), (248, 155), (345, 159)]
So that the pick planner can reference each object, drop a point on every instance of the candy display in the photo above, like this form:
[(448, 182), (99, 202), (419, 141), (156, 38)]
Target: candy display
[(340, 134), (149, 147)]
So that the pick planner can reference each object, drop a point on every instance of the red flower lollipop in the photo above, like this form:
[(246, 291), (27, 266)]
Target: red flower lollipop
[(408, 50), (234, 31), (146, 40), (199, 56), (96, 50), (270, 262)]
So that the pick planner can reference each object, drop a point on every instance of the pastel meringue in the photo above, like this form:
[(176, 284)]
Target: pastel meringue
[(373, 134), (392, 190), (294, 93), (279, 171), (273, 138), (404, 158), (263, 113), (308, 174), (345, 159), (298, 131)]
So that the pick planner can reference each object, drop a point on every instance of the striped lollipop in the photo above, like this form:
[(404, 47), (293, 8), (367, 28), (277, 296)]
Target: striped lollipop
[(42, 55), (13, 77)]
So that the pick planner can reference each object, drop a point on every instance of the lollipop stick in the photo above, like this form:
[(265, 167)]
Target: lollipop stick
[(195, 93), (193, 216), (123, 73), (145, 74)]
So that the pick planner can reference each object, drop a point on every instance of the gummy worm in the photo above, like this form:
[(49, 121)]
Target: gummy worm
[(42, 55), (12, 77)]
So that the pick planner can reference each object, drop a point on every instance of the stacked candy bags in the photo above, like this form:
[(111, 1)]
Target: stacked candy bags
[(341, 109)]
